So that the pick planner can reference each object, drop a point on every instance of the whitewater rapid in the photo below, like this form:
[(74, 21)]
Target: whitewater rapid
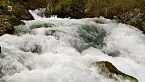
[(63, 50)]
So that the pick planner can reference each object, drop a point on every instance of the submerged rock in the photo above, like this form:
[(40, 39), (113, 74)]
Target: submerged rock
[(41, 25), (92, 36), (108, 70)]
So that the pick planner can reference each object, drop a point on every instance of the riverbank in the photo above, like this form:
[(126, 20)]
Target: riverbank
[(130, 12)]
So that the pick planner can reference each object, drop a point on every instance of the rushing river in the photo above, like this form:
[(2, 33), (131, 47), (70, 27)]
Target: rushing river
[(63, 50)]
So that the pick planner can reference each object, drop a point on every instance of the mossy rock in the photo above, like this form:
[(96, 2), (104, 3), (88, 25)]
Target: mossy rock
[(108, 70), (66, 8), (11, 14), (5, 26), (3, 6), (40, 25), (7, 23), (142, 25), (21, 12), (31, 4)]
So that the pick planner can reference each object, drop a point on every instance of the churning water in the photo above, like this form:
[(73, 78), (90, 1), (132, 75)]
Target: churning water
[(63, 50)]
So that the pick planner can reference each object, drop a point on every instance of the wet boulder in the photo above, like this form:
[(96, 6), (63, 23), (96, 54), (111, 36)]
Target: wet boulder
[(108, 70)]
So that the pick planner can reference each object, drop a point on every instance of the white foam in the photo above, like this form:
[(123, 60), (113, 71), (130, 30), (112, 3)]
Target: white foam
[(59, 61)]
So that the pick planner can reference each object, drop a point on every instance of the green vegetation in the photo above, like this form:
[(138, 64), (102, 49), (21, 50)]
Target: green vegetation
[(131, 12), (5, 26), (126, 11), (11, 13), (91, 8), (66, 8)]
